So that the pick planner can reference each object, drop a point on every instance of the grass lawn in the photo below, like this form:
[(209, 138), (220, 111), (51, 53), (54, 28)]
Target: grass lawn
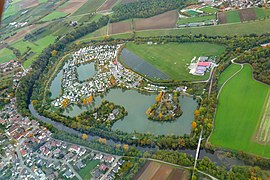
[(195, 19), (6, 55), (227, 73), (171, 58), (232, 16), (208, 9), (238, 114), (89, 7), (262, 13), (192, 13), (54, 15), (85, 172)]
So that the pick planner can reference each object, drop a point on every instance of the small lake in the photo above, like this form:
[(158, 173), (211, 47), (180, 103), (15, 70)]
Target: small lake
[(55, 87), (136, 104), (86, 71)]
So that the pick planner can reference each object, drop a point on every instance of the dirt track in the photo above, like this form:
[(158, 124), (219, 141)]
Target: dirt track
[(162, 21)]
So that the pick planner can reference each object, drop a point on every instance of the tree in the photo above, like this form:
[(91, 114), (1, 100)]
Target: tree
[(54, 52), (196, 113), (84, 136), (125, 147), (194, 125)]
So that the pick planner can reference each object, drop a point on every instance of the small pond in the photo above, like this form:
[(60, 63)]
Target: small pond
[(86, 71)]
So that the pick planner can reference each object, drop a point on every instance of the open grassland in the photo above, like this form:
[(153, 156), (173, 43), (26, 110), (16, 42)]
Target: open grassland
[(262, 13), (195, 19), (89, 7), (232, 16), (85, 172), (54, 15), (6, 55), (208, 9), (154, 170), (172, 58), (263, 131), (227, 73), (238, 114)]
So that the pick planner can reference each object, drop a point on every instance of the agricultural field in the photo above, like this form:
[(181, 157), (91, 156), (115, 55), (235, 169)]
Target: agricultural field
[(54, 15), (120, 27), (232, 16), (172, 58), (154, 170), (89, 7), (71, 6), (195, 19), (238, 115), (262, 13), (227, 73), (162, 21), (127, 1), (6, 55), (107, 5)]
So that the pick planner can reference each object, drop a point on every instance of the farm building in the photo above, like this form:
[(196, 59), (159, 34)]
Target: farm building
[(199, 66)]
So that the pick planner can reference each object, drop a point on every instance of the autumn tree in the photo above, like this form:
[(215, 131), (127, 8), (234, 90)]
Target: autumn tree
[(196, 113), (125, 147), (84, 136), (54, 52), (194, 125)]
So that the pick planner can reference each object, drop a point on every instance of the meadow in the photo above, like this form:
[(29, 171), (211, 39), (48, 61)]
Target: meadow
[(227, 73), (85, 172), (89, 7), (239, 109), (54, 15), (208, 9), (195, 19), (232, 16), (6, 55), (172, 58)]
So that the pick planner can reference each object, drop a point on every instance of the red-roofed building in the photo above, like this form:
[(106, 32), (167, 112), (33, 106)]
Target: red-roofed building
[(102, 167), (74, 148), (23, 152), (204, 64)]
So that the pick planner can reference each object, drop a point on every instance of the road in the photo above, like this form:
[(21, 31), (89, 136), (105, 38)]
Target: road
[(111, 168), (198, 150)]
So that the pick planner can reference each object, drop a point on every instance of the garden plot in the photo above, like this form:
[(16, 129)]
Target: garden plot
[(141, 66), (263, 134)]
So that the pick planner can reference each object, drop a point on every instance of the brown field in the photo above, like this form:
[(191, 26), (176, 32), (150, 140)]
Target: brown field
[(222, 18), (28, 4), (120, 27), (107, 5), (162, 21), (153, 170), (127, 1), (247, 14), (72, 6)]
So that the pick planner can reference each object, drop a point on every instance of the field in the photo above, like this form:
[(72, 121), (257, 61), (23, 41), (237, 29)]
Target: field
[(263, 131), (89, 7), (232, 16), (162, 21), (107, 5), (208, 9), (127, 1), (54, 15), (71, 6), (120, 27), (247, 14), (262, 13), (153, 170), (6, 55), (195, 19), (228, 72), (85, 172), (238, 114), (172, 58)]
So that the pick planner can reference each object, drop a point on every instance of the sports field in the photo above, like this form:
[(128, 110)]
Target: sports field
[(238, 115), (227, 73), (6, 55), (172, 58)]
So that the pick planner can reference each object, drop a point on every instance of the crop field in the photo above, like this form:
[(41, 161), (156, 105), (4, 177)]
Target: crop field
[(262, 13), (54, 15), (141, 66), (208, 9), (27, 4), (227, 73), (263, 131), (238, 114), (127, 1), (195, 19), (72, 6), (162, 21), (89, 7), (173, 58), (153, 170), (247, 14), (6, 55), (120, 27), (107, 5), (232, 16)]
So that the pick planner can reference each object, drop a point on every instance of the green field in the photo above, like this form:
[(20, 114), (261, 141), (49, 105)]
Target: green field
[(6, 55), (172, 58), (54, 15), (232, 16), (262, 13), (36, 47), (228, 72), (208, 9), (195, 19), (238, 114), (89, 7), (85, 172)]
